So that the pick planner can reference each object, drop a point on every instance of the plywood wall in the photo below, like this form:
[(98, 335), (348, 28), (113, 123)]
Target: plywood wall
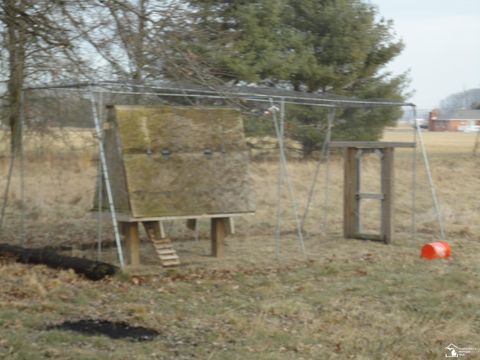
[(179, 161)]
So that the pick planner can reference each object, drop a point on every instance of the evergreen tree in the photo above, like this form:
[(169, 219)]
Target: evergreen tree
[(326, 46)]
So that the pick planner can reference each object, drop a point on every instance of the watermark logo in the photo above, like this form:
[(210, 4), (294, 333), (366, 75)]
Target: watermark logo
[(454, 351)]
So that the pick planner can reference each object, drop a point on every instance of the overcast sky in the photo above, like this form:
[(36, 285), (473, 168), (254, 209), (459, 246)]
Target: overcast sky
[(442, 45)]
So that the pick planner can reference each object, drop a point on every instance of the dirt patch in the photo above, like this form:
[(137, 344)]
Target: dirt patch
[(114, 330)]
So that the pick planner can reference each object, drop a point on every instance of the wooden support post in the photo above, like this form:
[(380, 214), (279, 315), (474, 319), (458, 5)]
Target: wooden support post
[(219, 230), (350, 223), (162, 230), (353, 194), (231, 226), (388, 191), (132, 242)]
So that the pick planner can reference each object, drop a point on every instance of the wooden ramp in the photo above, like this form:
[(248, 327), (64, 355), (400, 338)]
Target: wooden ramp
[(164, 249)]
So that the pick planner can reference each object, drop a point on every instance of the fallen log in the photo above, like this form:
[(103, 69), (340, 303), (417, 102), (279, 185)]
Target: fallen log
[(93, 270)]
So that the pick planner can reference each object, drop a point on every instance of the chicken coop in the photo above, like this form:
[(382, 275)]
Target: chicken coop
[(151, 159), (169, 163)]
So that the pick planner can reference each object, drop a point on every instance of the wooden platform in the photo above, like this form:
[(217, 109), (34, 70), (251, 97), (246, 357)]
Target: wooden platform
[(371, 144), (353, 194), (122, 217), (220, 228)]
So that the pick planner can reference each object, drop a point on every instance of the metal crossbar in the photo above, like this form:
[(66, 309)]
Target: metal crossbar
[(191, 90)]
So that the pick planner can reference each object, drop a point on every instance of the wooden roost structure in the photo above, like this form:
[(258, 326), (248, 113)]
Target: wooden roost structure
[(168, 163), (353, 195)]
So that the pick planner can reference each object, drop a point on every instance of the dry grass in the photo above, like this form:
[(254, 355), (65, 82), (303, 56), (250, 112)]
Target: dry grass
[(349, 300), (437, 142)]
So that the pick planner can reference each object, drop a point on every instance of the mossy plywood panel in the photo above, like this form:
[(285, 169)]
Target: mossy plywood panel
[(183, 161), (116, 174), (188, 184), (179, 129)]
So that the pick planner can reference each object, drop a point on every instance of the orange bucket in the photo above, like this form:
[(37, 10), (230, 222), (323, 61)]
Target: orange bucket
[(435, 250)]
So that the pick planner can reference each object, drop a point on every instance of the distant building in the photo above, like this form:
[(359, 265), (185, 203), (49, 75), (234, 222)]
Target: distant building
[(460, 120)]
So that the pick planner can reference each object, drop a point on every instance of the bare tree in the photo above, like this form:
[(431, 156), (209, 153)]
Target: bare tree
[(135, 40), (467, 99), (143, 40), (124, 34), (38, 45)]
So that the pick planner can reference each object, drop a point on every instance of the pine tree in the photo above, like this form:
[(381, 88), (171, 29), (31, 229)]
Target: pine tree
[(327, 46)]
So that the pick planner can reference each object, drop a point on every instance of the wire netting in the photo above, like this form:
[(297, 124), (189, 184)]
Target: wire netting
[(61, 176)]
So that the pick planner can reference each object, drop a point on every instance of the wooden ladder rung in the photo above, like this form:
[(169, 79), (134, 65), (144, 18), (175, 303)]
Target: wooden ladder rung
[(171, 263), (169, 257), (162, 246), (165, 251), (162, 242)]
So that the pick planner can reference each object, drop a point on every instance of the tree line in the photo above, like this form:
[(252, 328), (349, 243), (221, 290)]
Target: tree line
[(327, 46), (467, 99)]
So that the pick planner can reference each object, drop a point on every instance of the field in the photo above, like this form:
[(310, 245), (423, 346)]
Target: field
[(349, 299)]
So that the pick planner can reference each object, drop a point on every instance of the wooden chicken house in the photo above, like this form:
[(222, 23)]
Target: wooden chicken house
[(167, 163)]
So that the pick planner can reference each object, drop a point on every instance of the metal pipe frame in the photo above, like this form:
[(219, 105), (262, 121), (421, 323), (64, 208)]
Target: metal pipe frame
[(294, 97), (106, 178), (283, 166), (92, 88), (325, 155), (433, 192)]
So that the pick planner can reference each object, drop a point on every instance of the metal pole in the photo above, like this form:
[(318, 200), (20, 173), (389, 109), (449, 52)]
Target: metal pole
[(314, 181), (324, 155), (331, 118), (430, 181), (414, 176), (100, 187), (291, 193), (99, 208), (279, 185), (103, 161), (282, 118), (477, 143)]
